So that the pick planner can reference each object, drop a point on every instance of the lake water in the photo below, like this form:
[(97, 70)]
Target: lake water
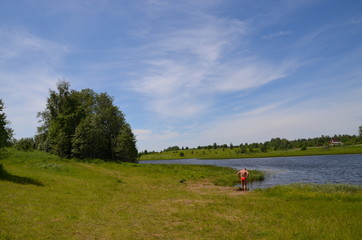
[(345, 169)]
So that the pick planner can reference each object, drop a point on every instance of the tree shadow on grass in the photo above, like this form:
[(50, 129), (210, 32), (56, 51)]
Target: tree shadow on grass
[(5, 176)]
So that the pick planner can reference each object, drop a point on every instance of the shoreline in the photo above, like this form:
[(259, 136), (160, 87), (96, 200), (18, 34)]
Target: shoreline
[(233, 154)]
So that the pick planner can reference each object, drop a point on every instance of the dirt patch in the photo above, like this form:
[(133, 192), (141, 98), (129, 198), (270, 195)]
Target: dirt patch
[(190, 201), (208, 187)]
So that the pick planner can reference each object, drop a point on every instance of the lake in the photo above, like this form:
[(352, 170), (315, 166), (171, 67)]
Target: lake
[(346, 169)]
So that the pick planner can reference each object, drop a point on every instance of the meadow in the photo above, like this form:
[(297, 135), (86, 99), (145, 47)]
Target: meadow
[(227, 153), (46, 197)]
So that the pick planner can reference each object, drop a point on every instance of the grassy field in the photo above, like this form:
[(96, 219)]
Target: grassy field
[(228, 153), (44, 197)]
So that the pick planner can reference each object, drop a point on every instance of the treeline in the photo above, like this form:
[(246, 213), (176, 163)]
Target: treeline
[(278, 144), (83, 124)]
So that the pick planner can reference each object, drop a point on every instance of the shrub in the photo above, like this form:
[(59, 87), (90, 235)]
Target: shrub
[(25, 144)]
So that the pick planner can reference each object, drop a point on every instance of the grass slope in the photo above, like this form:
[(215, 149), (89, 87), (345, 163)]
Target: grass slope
[(228, 153), (44, 197)]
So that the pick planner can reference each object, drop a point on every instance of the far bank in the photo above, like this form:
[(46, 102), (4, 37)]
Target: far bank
[(229, 153)]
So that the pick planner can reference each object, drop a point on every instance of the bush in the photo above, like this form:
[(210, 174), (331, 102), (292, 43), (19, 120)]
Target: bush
[(25, 144)]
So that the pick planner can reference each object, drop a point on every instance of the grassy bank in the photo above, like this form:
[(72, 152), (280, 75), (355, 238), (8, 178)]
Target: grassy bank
[(227, 153), (44, 197)]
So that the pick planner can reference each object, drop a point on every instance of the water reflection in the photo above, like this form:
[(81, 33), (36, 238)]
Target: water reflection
[(286, 170)]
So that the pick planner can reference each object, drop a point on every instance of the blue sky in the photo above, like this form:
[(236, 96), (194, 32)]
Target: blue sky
[(190, 73)]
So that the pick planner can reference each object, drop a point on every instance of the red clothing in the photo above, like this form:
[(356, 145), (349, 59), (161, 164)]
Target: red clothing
[(243, 179)]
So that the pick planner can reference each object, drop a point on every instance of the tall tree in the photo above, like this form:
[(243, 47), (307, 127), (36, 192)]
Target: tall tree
[(125, 145), (84, 125), (6, 132), (60, 119)]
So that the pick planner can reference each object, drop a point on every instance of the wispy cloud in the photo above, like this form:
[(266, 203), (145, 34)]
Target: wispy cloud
[(355, 21), (304, 120), (27, 71), (147, 134), (188, 69), (276, 34), (18, 45), (24, 93)]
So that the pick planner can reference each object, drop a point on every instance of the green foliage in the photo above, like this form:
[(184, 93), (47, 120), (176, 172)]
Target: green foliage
[(84, 124), (6, 132), (239, 153), (25, 144), (282, 144), (125, 145)]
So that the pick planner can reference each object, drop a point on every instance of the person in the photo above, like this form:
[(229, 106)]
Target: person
[(243, 175)]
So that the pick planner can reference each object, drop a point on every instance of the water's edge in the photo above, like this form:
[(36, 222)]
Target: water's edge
[(319, 169)]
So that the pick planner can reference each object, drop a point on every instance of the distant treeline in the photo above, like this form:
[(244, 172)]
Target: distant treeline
[(279, 144)]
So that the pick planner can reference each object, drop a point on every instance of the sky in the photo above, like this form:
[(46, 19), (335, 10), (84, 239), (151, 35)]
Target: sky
[(193, 72)]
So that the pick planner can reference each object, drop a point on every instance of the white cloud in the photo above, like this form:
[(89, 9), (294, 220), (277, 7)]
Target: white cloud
[(24, 94), (155, 141), (284, 119), (355, 21), (205, 41), (21, 47), (306, 120), (188, 69), (277, 34), (26, 74), (143, 134)]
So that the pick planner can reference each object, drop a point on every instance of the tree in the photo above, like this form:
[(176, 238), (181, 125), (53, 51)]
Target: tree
[(85, 125), (242, 148), (264, 147), (125, 145), (85, 139), (25, 144), (59, 120), (360, 132), (6, 132)]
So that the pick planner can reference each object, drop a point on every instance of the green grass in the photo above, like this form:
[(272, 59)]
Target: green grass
[(228, 153), (45, 197)]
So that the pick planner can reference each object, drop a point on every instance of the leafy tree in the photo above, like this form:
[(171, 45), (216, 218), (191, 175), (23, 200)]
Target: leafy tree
[(242, 149), (59, 120), (264, 147), (85, 139), (25, 144), (125, 145), (174, 148), (85, 125), (6, 132)]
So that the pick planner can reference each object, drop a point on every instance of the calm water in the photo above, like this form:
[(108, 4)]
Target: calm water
[(286, 170)]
